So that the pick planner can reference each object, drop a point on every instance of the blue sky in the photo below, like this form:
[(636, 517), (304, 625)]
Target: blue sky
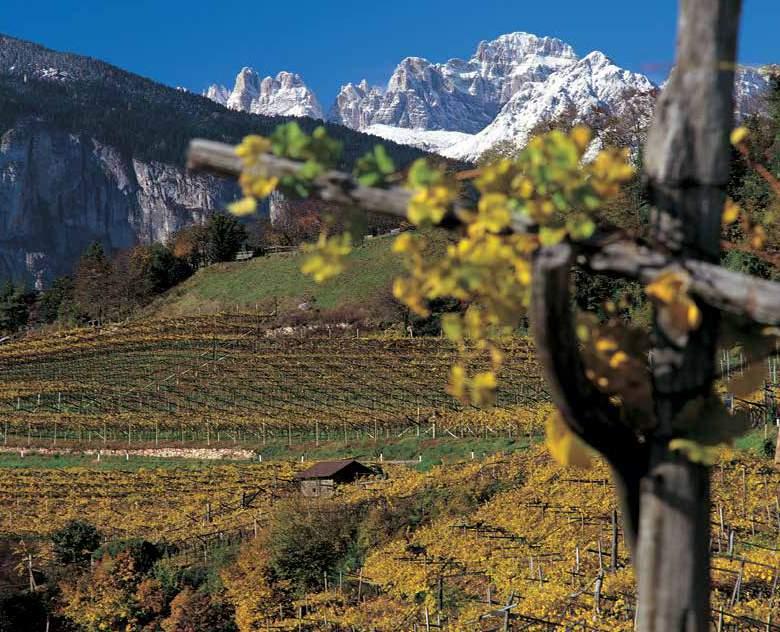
[(329, 42)]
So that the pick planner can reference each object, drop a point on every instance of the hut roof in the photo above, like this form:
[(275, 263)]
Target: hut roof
[(327, 469)]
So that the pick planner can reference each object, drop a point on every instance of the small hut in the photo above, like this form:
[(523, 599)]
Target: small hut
[(321, 478)]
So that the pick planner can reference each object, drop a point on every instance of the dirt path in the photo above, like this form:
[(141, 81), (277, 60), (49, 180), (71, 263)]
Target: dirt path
[(232, 454)]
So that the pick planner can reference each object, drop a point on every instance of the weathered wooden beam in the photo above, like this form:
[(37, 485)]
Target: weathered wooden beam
[(733, 292), (587, 411), (736, 293), (332, 186)]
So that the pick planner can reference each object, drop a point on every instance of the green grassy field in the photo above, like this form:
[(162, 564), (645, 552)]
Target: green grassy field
[(756, 443), (409, 448), (106, 463), (364, 287)]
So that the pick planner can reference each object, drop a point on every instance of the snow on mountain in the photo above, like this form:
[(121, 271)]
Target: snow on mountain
[(283, 95), (592, 90), (218, 93), (54, 74), (457, 95), (434, 141), (750, 87)]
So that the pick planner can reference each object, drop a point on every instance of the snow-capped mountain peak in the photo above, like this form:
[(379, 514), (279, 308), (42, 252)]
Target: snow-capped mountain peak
[(458, 95), (592, 90), (750, 86), (217, 92), (510, 87), (283, 95)]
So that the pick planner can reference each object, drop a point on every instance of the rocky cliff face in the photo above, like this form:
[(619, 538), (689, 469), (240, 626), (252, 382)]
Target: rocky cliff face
[(60, 191), (283, 95)]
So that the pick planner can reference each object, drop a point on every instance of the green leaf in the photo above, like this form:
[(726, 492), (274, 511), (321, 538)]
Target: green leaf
[(372, 168), (580, 226), (422, 175), (560, 201), (289, 141), (310, 170), (383, 161), (452, 326), (551, 236)]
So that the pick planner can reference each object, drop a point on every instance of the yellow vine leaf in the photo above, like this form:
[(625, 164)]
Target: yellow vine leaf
[(252, 146), (694, 451), (731, 211), (324, 259), (758, 237), (254, 181), (564, 446), (678, 314), (457, 385), (244, 206), (739, 135), (581, 135), (483, 388), (668, 286), (429, 205)]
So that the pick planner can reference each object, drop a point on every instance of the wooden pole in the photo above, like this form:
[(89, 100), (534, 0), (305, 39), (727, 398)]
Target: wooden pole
[(686, 169), (614, 547)]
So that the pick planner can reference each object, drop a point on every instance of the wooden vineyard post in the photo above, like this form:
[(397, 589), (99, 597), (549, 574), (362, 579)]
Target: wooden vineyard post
[(510, 599), (687, 169), (777, 444), (614, 547)]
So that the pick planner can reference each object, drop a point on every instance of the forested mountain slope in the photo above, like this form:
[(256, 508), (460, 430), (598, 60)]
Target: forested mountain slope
[(90, 152)]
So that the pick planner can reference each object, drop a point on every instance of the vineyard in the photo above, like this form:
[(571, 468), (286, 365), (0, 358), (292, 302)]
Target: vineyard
[(537, 546), (545, 552), (229, 377), (511, 541), (157, 504)]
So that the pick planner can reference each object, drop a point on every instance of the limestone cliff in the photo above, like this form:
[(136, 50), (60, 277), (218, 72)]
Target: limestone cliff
[(60, 191)]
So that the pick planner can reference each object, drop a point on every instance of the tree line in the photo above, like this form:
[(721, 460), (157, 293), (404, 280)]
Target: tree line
[(110, 286)]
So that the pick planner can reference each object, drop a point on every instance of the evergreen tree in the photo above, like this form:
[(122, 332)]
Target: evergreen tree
[(94, 291), (226, 236), (14, 308), (56, 302)]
